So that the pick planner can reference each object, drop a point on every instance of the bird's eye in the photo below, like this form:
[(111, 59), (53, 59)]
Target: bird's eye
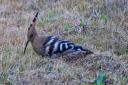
[(31, 35), (29, 28)]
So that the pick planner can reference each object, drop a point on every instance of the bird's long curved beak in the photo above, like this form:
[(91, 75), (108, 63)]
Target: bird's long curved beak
[(26, 46)]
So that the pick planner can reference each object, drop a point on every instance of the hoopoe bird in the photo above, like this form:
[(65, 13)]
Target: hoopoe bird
[(45, 45)]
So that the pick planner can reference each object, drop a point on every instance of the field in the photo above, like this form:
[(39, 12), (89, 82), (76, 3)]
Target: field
[(99, 25)]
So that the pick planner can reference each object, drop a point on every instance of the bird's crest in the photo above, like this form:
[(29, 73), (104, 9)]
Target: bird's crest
[(34, 19)]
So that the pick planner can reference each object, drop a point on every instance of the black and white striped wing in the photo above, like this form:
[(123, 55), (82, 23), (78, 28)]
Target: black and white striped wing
[(54, 45)]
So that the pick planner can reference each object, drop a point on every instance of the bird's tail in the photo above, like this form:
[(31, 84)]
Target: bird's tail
[(88, 51), (79, 48)]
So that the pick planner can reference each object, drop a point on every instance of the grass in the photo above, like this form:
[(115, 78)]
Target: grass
[(105, 33)]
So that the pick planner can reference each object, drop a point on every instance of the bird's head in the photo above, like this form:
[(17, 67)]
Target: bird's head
[(31, 32)]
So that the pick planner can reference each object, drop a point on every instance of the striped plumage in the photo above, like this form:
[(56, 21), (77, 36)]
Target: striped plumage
[(54, 45), (51, 45)]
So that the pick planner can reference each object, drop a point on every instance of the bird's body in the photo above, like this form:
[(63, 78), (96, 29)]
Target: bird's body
[(50, 45), (46, 45)]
